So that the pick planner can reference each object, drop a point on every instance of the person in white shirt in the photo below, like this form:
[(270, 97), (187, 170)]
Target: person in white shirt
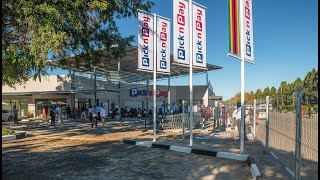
[(103, 116), (238, 117), (59, 114)]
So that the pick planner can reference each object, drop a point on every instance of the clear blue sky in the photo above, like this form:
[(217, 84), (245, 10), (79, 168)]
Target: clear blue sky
[(285, 43)]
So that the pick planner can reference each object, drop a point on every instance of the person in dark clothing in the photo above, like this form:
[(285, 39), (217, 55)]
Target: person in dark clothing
[(216, 116), (53, 117), (46, 111), (68, 112), (15, 115), (90, 113)]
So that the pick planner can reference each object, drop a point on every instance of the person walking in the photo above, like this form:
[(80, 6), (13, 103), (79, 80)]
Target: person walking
[(94, 116), (216, 115), (68, 112), (83, 115), (98, 110), (90, 113), (46, 111), (53, 117), (15, 115), (59, 114), (103, 116)]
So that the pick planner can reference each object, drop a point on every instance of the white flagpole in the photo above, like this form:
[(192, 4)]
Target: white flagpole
[(154, 75), (190, 64), (242, 79)]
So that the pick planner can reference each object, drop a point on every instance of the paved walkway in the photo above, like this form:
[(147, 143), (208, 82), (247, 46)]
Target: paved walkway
[(76, 151)]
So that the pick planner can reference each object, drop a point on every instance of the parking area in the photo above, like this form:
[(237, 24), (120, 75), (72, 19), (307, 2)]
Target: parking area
[(77, 151)]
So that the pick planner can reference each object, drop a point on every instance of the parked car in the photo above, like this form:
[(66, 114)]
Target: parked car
[(7, 115)]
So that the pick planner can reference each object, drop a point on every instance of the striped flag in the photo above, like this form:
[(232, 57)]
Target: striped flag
[(234, 27)]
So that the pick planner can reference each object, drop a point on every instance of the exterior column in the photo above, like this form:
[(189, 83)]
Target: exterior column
[(72, 105), (119, 84), (95, 86), (72, 96), (169, 96), (147, 96)]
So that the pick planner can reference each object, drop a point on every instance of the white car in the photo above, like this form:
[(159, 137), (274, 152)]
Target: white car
[(7, 115)]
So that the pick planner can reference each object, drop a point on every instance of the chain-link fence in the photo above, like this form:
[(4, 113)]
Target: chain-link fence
[(176, 121), (309, 140), (277, 129)]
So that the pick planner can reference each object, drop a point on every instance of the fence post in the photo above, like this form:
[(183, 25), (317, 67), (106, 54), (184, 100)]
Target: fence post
[(267, 124), (254, 118), (183, 119), (298, 133)]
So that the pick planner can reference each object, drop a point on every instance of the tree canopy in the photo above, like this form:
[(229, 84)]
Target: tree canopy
[(35, 31), (285, 94)]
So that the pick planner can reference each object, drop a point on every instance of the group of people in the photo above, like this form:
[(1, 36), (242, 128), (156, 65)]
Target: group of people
[(221, 116), (236, 117), (96, 113), (56, 112)]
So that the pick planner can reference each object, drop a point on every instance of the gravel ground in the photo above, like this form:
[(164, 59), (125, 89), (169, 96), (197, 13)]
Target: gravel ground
[(77, 151)]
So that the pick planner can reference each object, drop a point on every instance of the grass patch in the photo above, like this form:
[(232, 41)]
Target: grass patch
[(6, 131)]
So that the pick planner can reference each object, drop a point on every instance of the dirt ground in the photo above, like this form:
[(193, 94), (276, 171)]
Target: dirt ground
[(77, 151)]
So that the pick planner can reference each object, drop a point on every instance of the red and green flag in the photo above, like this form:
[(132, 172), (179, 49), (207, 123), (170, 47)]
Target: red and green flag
[(234, 26)]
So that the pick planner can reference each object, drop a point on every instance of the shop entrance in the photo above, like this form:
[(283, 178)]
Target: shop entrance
[(79, 103), (41, 103)]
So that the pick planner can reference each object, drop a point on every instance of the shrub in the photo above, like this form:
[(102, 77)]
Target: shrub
[(315, 108), (6, 131), (291, 108)]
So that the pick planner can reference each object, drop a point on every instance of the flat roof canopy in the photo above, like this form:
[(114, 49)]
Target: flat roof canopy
[(128, 68)]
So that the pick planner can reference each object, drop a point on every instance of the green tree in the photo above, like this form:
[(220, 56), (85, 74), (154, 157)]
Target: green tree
[(310, 88), (297, 83), (273, 96), (34, 31), (266, 92), (258, 94), (282, 92)]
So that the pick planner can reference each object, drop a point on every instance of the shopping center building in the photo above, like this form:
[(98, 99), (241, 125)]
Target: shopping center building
[(107, 85)]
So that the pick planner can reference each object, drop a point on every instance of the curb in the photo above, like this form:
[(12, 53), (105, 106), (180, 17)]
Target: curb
[(226, 155), (18, 135)]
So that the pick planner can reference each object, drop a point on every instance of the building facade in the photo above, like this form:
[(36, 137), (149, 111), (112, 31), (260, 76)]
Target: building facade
[(77, 92)]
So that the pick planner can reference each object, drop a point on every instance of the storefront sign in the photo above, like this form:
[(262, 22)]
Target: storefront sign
[(163, 45), (145, 42), (199, 36), (180, 32), (136, 92)]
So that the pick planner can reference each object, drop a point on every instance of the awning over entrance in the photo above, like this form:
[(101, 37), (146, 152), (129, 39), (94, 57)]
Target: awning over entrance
[(128, 73)]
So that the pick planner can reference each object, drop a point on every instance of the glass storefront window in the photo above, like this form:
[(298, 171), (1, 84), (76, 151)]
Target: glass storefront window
[(41, 103)]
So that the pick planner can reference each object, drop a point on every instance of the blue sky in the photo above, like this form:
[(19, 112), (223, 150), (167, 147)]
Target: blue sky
[(285, 43)]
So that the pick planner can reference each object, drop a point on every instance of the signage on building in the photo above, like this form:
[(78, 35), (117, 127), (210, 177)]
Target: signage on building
[(180, 32), (163, 45), (136, 92), (199, 36), (145, 41)]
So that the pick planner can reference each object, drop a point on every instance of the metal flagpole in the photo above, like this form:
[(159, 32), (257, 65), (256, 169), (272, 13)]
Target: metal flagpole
[(242, 79), (169, 96), (154, 75), (190, 63), (254, 117)]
